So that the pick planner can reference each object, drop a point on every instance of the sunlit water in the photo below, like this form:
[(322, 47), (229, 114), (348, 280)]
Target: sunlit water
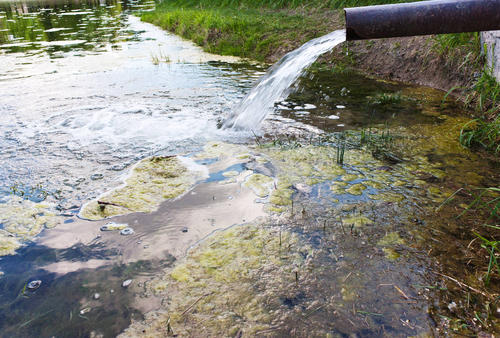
[(277, 83), (93, 90)]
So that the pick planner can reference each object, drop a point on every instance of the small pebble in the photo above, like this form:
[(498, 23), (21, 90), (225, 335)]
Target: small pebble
[(85, 310), (34, 284), (127, 231), (126, 283)]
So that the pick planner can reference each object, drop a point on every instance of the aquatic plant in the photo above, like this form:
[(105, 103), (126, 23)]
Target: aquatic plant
[(480, 132), (492, 246), (487, 199), (159, 58), (385, 98)]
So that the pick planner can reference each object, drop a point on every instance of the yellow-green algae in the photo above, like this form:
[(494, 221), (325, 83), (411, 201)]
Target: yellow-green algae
[(151, 181), (349, 177), (212, 291), (230, 173), (357, 221), (392, 238), (356, 189), (221, 150), (391, 254), (22, 220), (8, 243), (388, 242), (282, 195), (388, 197), (260, 184)]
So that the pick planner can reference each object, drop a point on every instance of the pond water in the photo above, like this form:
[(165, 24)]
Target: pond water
[(87, 91)]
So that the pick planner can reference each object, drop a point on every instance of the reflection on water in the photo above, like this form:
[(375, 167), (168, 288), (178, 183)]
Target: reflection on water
[(61, 26)]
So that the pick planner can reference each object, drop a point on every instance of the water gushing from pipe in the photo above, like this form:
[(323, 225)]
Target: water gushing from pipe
[(276, 84)]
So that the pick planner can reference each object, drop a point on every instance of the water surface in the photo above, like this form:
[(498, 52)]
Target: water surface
[(87, 90)]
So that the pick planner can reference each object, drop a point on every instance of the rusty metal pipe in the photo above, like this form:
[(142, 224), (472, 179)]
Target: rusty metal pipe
[(422, 18)]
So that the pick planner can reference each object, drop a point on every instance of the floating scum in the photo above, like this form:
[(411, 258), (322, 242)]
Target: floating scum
[(152, 181), (22, 220)]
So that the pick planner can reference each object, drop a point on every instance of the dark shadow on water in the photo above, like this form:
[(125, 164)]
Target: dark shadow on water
[(66, 306)]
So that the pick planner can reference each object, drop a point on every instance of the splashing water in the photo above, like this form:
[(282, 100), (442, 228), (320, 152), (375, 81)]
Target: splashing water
[(276, 84)]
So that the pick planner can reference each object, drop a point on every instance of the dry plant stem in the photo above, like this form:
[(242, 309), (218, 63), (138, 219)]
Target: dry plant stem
[(467, 286), (196, 302)]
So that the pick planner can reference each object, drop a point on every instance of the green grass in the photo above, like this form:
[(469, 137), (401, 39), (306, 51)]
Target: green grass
[(451, 44), (484, 131), (251, 28), (278, 4), (249, 33)]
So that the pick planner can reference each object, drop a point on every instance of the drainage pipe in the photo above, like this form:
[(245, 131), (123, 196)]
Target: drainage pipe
[(422, 18)]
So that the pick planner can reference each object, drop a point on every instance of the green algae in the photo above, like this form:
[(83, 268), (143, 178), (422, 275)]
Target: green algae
[(357, 221), (152, 181), (392, 238), (391, 254), (260, 184), (22, 220), (212, 289), (356, 189)]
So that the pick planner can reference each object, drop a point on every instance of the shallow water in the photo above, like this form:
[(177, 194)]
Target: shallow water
[(87, 90)]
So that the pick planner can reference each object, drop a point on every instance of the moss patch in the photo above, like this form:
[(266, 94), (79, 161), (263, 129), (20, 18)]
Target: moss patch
[(22, 220), (152, 181), (260, 184)]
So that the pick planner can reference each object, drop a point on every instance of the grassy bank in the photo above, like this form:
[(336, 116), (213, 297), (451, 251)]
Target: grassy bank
[(255, 33)]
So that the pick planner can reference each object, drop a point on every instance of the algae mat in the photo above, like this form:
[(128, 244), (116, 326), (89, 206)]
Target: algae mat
[(21, 221), (151, 181)]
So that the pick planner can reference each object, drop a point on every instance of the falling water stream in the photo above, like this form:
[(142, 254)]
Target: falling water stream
[(278, 82)]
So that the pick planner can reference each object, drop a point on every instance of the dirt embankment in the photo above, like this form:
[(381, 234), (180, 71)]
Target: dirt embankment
[(410, 59)]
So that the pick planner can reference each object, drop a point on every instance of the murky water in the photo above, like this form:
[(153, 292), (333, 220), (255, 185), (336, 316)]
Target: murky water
[(87, 91)]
